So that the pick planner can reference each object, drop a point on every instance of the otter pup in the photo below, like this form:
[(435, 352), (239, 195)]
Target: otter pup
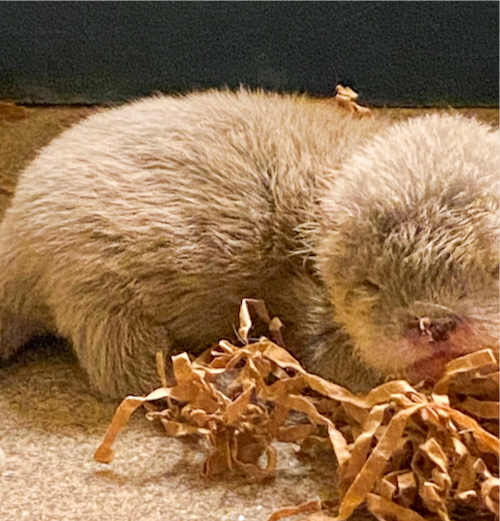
[(141, 229)]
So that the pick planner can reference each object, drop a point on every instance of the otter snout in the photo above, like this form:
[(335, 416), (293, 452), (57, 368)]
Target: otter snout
[(432, 323), (436, 340), (437, 329)]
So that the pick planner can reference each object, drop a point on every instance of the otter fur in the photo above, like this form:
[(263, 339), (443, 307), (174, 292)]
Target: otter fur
[(143, 227)]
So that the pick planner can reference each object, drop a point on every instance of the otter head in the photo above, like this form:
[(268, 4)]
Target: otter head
[(409, 245)]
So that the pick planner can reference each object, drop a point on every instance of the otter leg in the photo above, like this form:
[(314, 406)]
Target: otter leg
[(118, 351), (15, 331), (22, 313)]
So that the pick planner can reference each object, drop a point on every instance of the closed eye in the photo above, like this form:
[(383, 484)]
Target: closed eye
[(370, 287), (364, 291)]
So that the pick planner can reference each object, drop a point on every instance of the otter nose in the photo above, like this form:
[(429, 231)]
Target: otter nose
[(438, 329)]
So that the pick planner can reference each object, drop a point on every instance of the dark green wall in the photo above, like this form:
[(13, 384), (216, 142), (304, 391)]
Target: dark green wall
[(394, 53)]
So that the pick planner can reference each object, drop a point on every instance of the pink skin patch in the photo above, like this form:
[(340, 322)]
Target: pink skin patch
[(432, 356)]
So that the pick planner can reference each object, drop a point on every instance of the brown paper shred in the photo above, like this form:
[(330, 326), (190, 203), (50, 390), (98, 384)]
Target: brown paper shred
[(382, 509), (479, 361), (104, 452), (482, 409), (374, 466), (402, 453), (346, 98), (12, 112), (490, 491), (282, 513), (362, 445), (320, 516), (245, 318), (160, 366)]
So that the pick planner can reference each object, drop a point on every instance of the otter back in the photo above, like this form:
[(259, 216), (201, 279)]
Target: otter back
[(142, 228)]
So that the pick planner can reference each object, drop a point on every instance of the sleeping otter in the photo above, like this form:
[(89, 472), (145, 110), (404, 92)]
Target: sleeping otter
[(141, 229)]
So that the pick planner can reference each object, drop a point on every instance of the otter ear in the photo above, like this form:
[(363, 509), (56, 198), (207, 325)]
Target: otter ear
[(388, 220), (394, 219)]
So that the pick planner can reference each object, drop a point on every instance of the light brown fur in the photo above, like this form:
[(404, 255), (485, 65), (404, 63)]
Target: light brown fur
[(409, 234), (143, 227)]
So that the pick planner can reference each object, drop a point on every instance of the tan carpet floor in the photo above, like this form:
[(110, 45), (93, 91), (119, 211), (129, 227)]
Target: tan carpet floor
[(50, 425)]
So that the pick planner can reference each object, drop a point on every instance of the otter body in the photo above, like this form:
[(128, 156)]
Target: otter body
[(142, 228)]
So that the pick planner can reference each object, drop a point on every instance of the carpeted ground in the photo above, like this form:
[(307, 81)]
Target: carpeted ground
[(51, 424), (49, 428)]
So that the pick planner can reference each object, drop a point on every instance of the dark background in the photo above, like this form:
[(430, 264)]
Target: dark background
[(393, 53)]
